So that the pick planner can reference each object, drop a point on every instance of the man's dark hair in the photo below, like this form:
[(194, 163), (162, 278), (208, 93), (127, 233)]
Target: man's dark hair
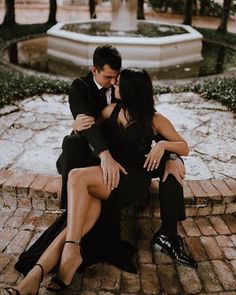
[(106, 55)]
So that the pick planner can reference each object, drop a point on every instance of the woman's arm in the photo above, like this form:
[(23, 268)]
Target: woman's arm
[(173, 142)]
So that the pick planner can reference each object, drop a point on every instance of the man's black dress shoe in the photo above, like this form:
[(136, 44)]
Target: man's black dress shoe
[(174, 247)]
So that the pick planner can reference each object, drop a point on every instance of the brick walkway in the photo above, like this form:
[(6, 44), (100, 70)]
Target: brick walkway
[(29, 203)]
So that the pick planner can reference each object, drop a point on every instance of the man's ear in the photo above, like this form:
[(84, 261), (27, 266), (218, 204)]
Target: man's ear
[(93, 70)]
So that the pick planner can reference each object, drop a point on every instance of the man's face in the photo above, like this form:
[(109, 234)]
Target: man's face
[(105, 77), (117, 89)]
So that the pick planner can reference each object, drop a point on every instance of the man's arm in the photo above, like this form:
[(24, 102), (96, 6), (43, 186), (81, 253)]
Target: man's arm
[(80, 103), (176, 168)]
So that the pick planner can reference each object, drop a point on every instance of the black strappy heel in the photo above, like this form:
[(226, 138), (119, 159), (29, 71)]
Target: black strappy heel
[(14, 291), (59, 284)]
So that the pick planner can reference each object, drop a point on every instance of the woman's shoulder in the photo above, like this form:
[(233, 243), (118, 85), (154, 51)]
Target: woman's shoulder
[(156, 117), (158, 120)]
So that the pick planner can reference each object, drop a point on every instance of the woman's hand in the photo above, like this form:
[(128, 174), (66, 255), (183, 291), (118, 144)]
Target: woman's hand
[(83, 122), (154, 156)]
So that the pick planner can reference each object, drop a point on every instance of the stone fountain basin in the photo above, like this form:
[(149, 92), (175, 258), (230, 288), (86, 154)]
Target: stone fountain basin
[(147, 52)]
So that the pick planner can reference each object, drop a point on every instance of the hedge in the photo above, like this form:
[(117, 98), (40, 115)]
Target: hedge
[(221, 89)]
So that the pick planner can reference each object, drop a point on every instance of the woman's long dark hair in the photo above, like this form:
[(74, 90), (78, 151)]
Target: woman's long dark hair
[(136, 91)]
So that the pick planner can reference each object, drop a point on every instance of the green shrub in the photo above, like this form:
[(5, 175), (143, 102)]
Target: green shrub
[(16, 86), (221, 89)]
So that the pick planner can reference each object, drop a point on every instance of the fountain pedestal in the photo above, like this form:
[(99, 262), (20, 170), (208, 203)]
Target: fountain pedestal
[(147, 52)]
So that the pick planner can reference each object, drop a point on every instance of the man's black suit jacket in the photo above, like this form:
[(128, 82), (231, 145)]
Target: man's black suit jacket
[(84, 98)]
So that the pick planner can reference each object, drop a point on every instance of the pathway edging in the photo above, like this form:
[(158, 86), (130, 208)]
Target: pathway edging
[(39, 191)]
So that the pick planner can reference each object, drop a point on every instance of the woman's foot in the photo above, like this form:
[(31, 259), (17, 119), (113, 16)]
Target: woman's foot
[(30, 284), (70, 261)]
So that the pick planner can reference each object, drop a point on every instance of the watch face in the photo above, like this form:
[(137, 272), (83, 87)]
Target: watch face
[(173, 156)]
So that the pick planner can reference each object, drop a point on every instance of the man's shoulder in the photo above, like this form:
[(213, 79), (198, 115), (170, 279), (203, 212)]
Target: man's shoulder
[(78, 82), (83, 88), (85, 82)]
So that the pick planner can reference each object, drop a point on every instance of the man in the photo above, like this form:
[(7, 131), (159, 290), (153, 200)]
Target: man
[(86, 147), (86, 102)]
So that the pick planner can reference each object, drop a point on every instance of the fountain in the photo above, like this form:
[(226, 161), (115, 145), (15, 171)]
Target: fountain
[(124, 15), (75, 41)]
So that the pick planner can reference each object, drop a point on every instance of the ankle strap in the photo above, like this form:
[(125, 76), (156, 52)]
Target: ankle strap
[(77, 243), (41, 270)]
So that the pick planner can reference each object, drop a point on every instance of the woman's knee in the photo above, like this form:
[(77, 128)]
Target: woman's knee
[(76, 176)]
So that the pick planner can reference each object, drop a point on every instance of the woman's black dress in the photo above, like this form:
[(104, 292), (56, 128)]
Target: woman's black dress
[(102, 242)]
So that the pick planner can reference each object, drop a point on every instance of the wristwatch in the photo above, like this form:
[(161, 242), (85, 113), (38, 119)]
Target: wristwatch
[(173, 156)]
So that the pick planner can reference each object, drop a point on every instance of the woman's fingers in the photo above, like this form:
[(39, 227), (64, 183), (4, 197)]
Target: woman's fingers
[(146, 161), (151, 162), (86, 127), (88, 120), (83, 122), (154, 165)]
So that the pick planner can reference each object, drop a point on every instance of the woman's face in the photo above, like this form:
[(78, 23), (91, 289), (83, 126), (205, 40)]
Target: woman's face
[(117, 91)]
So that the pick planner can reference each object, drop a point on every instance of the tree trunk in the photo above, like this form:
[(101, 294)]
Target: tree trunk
[(188, 12), (52, 12), (92, 9), (9, 19), (13, 53), (202, 7), (140, 11), (225, 16)]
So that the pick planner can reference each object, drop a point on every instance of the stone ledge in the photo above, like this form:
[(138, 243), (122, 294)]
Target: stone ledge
[(38, 191)]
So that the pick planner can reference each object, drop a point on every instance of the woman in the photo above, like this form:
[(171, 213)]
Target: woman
[(130, 131)]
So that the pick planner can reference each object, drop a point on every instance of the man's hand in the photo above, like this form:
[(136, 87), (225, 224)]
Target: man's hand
[(82, 122), (110, 170), (176, 168)]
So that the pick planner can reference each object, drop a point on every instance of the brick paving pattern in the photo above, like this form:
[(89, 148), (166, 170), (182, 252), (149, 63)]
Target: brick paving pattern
[(29, 203)]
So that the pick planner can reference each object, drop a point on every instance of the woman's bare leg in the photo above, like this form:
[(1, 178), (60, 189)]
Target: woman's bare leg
[(48, 260), (52, 255), (85, 189)]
